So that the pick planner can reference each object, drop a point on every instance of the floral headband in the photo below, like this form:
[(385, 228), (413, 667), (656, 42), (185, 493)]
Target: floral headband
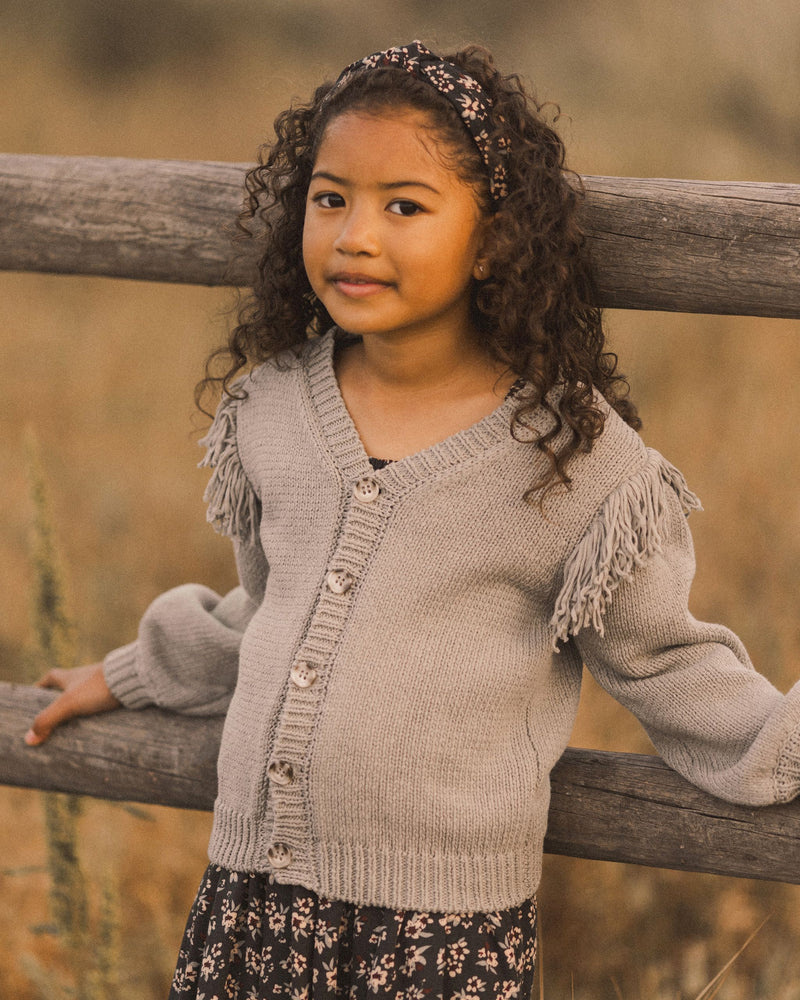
[(462, 91)]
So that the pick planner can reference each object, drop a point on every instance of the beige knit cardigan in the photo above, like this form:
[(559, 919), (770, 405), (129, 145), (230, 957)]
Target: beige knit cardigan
[(401, 664)]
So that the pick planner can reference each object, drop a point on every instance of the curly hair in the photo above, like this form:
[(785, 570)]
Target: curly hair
[(536, 311)]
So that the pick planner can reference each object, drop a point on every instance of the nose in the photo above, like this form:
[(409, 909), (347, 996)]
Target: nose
[(358, 233)]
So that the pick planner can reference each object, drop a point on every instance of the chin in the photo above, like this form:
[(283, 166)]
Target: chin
[(358, 327)]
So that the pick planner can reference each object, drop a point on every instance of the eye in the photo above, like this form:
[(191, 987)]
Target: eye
[(402, 206), (328, 199)]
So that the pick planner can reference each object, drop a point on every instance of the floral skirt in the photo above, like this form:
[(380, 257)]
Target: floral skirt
[(251, 938)]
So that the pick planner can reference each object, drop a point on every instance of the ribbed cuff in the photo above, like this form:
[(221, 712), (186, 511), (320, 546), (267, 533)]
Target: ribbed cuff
[(122, 677), (787, 774)]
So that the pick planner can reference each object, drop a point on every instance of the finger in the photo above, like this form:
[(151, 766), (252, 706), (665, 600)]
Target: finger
[(90, 695), (47, 720), (33, 739), (52, 679)]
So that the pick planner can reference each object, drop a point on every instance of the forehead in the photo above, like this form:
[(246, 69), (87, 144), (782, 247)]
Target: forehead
[(402, 143)]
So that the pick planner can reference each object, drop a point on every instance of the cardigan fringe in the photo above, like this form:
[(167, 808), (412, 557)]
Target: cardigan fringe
[(626, 532), (233, 507)]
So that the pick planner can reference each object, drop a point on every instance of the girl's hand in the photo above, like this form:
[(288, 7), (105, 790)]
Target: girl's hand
[(85, 693)]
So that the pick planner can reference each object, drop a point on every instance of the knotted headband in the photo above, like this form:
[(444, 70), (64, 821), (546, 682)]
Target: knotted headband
[(461, 90)]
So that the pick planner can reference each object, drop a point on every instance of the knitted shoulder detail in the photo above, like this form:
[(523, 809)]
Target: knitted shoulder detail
[(233, 507), (627, 530)]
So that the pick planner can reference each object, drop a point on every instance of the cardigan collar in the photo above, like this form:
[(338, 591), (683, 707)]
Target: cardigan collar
[(403, 474)]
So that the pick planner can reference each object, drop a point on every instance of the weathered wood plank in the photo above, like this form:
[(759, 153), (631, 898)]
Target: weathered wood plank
[(155, 220), (150, 756), (633, 808), (696, 246), (614, 807), (689, 246)]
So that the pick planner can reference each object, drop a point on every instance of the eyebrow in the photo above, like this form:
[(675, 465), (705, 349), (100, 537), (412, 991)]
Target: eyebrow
[(388, 186)]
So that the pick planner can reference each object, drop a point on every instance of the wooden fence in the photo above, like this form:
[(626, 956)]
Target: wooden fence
[(686, 246), (658, 244)]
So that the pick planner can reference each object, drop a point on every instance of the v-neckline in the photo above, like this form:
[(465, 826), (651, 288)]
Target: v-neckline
[(348, 450)]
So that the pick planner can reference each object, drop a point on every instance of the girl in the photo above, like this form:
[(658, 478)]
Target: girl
[(440, 510)]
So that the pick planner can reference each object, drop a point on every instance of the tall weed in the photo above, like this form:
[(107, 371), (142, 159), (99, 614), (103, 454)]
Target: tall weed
[(87, 945)]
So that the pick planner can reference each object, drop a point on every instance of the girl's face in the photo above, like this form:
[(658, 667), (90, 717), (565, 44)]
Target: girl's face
[(392, 235)]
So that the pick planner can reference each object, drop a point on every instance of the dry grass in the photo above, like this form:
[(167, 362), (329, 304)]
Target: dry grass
[(103, 370)]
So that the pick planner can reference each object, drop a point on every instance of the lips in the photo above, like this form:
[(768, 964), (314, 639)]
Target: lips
[(357, 285)]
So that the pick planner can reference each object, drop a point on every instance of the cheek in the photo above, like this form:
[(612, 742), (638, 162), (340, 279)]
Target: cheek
[(310, 246), (455, 255), (306, 240)]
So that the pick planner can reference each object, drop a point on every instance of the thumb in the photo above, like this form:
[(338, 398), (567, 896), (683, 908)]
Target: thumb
[(86, 697), (47, 720)]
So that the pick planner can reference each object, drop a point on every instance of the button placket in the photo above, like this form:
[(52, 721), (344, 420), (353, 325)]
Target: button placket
[(360, 529)]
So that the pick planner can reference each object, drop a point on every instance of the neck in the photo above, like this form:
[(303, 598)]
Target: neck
[(405, 393), (418, 363)]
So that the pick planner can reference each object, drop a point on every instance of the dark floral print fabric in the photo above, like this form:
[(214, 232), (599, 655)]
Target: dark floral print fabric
[(251, 938)]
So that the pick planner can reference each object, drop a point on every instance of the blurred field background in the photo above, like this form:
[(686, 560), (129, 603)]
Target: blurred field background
[(103, 371)]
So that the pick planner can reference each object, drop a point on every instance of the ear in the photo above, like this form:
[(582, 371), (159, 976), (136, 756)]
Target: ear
[(482, 268)]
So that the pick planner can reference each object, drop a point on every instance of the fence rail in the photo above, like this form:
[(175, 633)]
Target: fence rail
[(689, 246), (606, 806)]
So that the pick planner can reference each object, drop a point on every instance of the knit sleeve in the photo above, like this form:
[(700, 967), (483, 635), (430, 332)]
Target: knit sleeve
[(186, 655), (625, 602)]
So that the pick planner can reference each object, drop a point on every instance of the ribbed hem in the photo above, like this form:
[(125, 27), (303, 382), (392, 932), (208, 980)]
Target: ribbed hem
[(236, 841), (446, 882), (122, 677), (398, 880)]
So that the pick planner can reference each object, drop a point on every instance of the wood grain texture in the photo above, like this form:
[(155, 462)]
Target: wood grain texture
[(695, 246), (633, 808), (690, 246), (607, 806), (154, 220), (149, 756)]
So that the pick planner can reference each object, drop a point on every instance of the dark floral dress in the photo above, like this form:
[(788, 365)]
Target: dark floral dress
[(251, 938)]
